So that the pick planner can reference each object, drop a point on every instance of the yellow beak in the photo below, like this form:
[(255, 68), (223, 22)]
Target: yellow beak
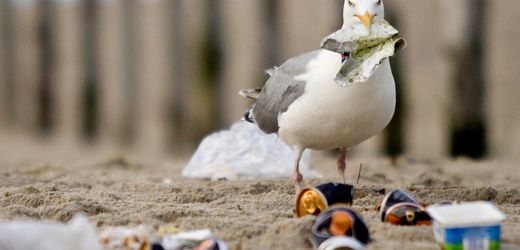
[(366, 19)]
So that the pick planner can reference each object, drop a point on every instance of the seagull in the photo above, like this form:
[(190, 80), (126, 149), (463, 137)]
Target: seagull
[(304, 105)]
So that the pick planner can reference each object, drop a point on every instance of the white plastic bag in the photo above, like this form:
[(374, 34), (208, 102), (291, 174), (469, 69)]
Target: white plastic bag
[(78, 234), (243, 152)]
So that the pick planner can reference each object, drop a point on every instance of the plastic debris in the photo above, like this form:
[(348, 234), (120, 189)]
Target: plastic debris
[(125, 238), (473, 225), (243, 152), (357, 38), (366, 52), (197, 240), (78, 234)]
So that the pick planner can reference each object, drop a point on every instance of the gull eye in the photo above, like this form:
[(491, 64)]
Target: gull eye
[(350, 3), (379, 2)]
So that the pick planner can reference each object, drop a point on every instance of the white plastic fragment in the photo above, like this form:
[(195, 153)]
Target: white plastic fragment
[(243, 152), (471, 225), (355, 37), (341, 243), (189, 240), (366, 51), (78, 234)]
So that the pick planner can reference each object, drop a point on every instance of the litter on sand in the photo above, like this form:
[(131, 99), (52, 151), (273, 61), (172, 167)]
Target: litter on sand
[(473, 225), (243, 152), (400, 208), (314, 200), (197, 240), (78, 234), (340, 222), (335, 243), (140, 238)]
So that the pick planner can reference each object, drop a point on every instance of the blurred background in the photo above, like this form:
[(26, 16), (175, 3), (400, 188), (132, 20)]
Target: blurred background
[(156, 76)]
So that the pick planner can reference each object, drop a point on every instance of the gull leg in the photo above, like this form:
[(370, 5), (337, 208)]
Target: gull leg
[(297, 177), (341, 163)]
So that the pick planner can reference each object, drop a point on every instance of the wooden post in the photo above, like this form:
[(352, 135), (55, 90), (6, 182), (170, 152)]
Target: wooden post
[(153, 79), (111, 68), (69, 74), (427, 80), (6, 15), (372, 147), (304, 23), (502, 70), (243, 42), (3, 78), (26, 62), (191, 99), (463, 24)]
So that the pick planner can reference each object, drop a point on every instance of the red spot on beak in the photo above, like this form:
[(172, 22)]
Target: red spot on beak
[(344, 57)]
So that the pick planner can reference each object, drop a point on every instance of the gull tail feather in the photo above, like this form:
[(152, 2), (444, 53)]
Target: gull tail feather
[(248, 115)]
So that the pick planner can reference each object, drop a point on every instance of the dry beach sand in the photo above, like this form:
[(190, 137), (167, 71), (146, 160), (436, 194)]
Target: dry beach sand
[(247, 214)]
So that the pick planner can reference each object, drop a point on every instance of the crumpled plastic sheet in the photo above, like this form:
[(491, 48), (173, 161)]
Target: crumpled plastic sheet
[(243, 152), (367, 51), (190, 240), (78, 234)]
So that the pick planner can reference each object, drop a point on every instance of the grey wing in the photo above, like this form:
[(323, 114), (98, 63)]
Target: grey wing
[(280, 91)]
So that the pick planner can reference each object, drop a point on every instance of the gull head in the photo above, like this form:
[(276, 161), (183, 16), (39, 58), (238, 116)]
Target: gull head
[(360, 14)]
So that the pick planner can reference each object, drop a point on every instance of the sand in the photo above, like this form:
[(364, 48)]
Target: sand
[(247, 214)]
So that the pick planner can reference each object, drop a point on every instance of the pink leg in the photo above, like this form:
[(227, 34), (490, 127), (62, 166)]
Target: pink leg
[(297, 177), (341, 163)]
